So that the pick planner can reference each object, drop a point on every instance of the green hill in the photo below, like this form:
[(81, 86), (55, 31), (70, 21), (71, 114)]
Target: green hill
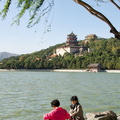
[(103, 51)]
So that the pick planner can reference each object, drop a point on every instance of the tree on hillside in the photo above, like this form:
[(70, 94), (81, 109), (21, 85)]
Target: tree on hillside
[(39, 8)]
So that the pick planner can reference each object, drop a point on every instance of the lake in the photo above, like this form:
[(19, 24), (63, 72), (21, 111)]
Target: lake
[(27, 95)]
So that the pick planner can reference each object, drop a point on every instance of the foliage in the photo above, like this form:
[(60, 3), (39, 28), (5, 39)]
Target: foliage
[(39, 8), (35, 8), (104, 51)]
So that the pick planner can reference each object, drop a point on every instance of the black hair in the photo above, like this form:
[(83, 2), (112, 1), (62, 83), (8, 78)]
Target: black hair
[(74, 98), (55, 103)]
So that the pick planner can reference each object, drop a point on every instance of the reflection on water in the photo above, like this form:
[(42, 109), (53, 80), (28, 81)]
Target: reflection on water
[(27, 95)]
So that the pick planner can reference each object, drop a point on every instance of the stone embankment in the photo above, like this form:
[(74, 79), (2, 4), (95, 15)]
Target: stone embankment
[(57, 70), (107, 115)]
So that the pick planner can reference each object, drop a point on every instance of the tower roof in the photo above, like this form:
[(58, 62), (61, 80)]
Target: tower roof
[(72, 34)]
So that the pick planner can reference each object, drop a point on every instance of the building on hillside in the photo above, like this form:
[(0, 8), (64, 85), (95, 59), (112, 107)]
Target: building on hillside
[(72, 40), (71, 46), (83, 49), (52, 56), (95, 67), (90, 37), (38, 59)]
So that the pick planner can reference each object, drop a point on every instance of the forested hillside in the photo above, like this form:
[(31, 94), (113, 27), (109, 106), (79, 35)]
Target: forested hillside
[(103, 51)]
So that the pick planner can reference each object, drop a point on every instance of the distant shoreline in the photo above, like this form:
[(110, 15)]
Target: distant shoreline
[(56, 70)]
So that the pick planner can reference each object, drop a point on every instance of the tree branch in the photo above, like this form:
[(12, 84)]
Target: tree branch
[(115, 4), (100, 16)]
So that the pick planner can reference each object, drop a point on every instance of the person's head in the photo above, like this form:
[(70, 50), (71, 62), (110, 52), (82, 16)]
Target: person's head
[(74, 100), (55, 103)]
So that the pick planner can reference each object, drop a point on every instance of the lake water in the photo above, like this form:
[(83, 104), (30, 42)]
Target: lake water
[(27, 95)]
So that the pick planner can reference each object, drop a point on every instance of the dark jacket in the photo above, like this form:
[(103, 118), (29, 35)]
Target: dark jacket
[(77, 112)]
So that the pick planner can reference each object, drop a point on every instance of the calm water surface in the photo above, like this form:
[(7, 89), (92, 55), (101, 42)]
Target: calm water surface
[(27, 95)]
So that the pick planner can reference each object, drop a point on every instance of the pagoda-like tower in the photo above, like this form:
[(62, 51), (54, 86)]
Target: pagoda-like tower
[(72, 40)]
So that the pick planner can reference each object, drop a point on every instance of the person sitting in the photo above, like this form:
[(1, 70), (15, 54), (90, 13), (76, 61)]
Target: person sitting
[(58, 113), (76, 111)]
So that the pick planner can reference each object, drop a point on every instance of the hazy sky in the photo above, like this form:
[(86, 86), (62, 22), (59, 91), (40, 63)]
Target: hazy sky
[(67, 17)]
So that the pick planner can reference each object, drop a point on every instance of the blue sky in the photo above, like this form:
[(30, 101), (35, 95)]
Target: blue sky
[(67, 17)]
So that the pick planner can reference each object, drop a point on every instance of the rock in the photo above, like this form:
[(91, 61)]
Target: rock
[(107, 115), (118, 117)]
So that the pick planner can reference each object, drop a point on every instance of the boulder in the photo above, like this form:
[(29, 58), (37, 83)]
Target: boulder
[(118, 117), (107, 115)]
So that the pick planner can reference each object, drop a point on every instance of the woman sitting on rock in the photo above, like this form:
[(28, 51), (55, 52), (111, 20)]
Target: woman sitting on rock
[(57, 113), (76, 111)]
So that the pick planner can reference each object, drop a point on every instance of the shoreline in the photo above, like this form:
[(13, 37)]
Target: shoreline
[(56, 70)]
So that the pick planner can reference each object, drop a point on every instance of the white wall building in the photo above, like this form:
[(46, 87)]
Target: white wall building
[(66, 49), (70, 47)]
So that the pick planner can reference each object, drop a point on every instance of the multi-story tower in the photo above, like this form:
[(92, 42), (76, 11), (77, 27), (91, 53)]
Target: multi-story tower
[(72, 40)]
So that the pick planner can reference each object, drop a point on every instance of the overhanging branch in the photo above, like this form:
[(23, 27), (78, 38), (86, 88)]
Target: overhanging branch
[(100, 16), (115, 4)]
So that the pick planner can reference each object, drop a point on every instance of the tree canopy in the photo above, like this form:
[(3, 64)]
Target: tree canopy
[(39, 8), (103, 51)]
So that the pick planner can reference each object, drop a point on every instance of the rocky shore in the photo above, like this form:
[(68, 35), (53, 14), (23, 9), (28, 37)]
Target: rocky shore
[(107, 115)]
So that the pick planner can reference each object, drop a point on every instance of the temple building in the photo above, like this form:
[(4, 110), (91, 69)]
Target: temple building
[(90, 37), (71, 45), (72, 40)]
